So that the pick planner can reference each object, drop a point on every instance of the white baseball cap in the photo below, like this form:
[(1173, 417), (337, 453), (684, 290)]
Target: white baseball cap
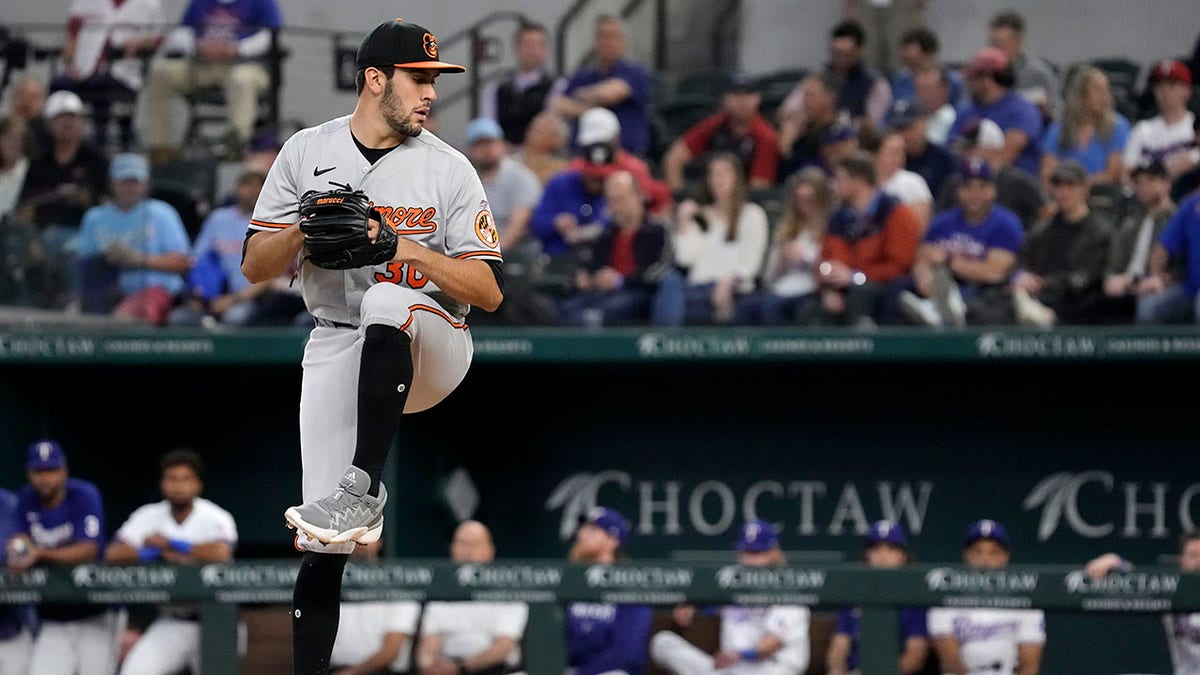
[(62, 102), (990, 134), (598, 125)]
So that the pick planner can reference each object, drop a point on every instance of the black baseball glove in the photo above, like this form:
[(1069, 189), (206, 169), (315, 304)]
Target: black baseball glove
[(335, 222)]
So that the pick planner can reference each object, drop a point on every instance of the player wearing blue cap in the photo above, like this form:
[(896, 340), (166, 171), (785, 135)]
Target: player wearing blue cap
[(605, 638), (886, 546), (987, 640), (62, 523), (755, 639)]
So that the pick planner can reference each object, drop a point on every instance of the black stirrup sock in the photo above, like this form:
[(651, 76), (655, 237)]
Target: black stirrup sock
[(385, 375), (316, 609)]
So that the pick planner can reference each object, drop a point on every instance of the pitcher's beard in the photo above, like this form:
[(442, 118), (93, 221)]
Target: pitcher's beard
[(405, 126), (401, 125)]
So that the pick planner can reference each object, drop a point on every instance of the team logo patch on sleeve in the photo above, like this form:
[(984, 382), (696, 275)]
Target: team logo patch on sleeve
[(485, 229)]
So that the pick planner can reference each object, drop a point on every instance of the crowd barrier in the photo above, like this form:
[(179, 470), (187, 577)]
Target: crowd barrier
[(267, 346), (221, 588)]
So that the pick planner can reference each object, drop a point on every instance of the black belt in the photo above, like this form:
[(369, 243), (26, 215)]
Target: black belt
[(326, 323)]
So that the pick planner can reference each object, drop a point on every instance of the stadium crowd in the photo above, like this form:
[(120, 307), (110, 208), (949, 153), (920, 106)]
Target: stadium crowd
[(875, 191)]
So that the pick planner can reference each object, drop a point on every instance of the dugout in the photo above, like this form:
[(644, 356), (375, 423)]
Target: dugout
[(1071, 437)]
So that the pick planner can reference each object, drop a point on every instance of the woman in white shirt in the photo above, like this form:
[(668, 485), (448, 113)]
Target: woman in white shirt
[(907, 186), (788, 292), (721, 239)]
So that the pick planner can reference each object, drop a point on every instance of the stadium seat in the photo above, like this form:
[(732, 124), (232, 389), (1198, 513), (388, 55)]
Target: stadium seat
[(1123, 74), (206, 106), (708, 83), (776, 86), (772, 200), (682, 111), (189, 186)]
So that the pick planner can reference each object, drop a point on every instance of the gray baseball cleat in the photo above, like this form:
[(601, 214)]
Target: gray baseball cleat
[(347, 514)]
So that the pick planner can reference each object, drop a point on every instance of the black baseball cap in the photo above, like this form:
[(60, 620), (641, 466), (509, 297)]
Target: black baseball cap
[(1069, 171), (904, 114), (742, 83), (403, 45), (1151, 166)]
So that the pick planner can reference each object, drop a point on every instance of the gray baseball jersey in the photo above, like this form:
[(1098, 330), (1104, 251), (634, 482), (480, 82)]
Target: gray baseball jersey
[(425, 189)]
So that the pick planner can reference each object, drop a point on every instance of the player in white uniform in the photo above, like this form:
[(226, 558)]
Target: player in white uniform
[(472, 637), (182, 528), (987, 640), (755, 639), (1182, 630), (404, 321)]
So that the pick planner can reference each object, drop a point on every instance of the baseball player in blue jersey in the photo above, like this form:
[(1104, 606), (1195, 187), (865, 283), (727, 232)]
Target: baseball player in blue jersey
[(63, 520), (16, 621), (605, 638), (391, 334), (886, 546)]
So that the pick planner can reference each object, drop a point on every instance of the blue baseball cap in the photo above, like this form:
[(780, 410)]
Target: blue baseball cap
[(44, 455), (841, 130), (609, 520), (741, 82), (986, 529), (757, 536), (483, 128), (886, 532), (971, 168), (129, 166)]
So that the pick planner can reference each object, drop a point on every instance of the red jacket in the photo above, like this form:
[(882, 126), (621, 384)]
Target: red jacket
[(881, 244)]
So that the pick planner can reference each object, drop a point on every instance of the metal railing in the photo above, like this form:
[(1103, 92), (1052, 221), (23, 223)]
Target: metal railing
[(221, 588), (479, 54), (576, 10)]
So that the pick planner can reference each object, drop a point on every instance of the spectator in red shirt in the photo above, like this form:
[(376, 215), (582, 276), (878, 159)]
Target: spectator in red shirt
[(599, 126), (868, 249), (739, 128)]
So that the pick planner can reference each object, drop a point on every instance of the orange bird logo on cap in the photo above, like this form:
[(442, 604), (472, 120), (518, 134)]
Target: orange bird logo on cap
[(430, 44)]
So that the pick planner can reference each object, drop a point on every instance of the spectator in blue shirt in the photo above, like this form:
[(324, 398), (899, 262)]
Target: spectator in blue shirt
[(571, 211), (1175, 300), (133, 250), (1091, 130), (217, 289), (990, 86), (604, 637), (886, 546), (967, 257), (613, 82)]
